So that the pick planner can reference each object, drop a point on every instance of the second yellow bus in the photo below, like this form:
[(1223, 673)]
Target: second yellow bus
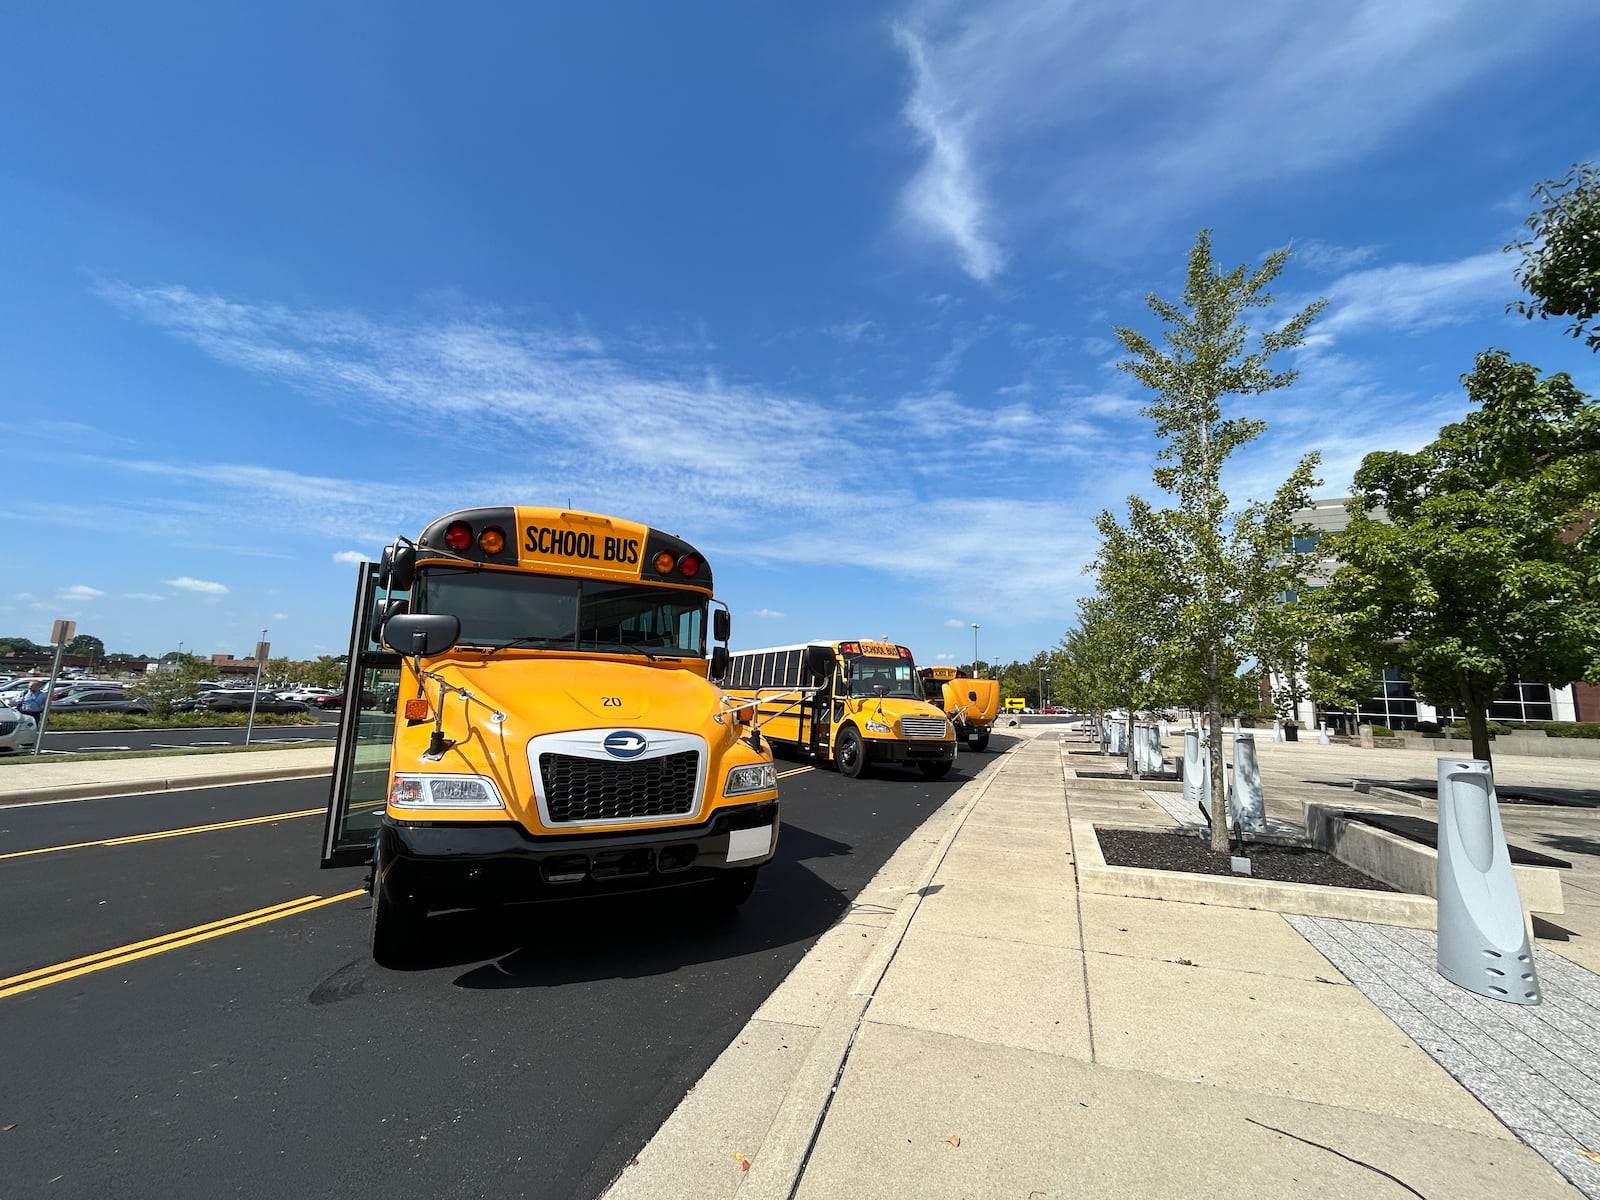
[(854, 703)]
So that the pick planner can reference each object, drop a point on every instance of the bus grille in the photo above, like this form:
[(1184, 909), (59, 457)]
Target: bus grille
[(923, 727), (592, 791)]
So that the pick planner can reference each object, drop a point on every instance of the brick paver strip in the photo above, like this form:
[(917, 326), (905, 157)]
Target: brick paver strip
[(1536, 1067)]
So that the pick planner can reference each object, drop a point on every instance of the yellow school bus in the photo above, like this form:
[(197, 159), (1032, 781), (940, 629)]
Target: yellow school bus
[(553, 730), (852, 703), (971, 704)]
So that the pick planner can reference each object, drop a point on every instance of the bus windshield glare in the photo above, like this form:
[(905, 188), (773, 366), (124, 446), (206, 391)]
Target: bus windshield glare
[(896, 676), (501, 608)]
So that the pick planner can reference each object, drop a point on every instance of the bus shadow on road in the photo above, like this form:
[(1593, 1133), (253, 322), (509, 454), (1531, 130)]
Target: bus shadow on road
[(560, 942)]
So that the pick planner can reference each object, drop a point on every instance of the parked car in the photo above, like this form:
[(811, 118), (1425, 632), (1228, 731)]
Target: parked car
[(307, 695), (265, 702), (110, 700), (336, 700), (17, 730)]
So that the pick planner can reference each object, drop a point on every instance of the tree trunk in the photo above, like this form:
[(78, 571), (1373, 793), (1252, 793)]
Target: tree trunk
[(1133, 762), (1219, 777), (1476, 701)]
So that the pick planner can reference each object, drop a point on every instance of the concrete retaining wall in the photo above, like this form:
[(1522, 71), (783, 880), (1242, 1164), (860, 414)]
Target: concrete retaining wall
[(1411, 866), (1534, 743)]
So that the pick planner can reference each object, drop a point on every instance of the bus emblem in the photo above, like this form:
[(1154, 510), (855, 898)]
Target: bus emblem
[(625, 744)]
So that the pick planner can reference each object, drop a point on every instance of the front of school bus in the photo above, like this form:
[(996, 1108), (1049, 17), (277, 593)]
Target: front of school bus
[(555, 732), (883, 717)]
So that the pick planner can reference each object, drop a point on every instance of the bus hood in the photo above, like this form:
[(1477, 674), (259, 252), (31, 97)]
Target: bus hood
[(560, 694), (958, 699)]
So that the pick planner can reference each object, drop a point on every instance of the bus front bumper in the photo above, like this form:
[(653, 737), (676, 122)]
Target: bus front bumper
[(445, 864), (909, 753)]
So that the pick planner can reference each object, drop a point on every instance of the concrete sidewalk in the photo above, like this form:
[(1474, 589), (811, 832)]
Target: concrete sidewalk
[(976, 1026)]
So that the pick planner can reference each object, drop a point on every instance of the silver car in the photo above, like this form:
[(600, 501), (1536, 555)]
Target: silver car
[(17, 730)]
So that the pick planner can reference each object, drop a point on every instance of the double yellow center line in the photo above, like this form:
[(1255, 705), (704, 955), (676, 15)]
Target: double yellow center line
[(44, 976)]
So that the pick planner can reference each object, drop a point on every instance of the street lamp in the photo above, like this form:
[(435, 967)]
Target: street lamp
[(1042, 682), (975, 650)]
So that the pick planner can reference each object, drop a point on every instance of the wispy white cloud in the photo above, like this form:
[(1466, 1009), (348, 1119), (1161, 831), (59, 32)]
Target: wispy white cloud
[(955, 623), (945, 198), (1411, 297), (80, 591), (353, 558), (1315, 255), (203, 587), (851, 333), (1044, 114), (767, 612), (148, 596)]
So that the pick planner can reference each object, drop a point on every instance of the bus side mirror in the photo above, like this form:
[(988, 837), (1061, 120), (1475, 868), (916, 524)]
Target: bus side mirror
[(423, 634), (719, 660), (385, 565), (721, 625), (380, 617), (402, 567)]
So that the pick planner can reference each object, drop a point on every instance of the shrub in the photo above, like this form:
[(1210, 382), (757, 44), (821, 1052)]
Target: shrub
[(1427, 727), (1382, 731)]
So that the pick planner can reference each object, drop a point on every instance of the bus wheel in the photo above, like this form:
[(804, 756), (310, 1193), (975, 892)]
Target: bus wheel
[(935, 770), (978, 742), (729, 889), (850, 754), (395, 930)]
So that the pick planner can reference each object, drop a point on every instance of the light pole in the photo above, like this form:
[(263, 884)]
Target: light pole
[(975, 650), (178, 666), (1042, 697)]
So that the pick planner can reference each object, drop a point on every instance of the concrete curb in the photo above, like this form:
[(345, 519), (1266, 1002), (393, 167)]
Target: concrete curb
[(135, 787), (1076, 782), (784, 1151), (1350, 904)]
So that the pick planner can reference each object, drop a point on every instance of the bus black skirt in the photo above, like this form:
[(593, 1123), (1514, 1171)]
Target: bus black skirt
[(909, 753), (447, 865)]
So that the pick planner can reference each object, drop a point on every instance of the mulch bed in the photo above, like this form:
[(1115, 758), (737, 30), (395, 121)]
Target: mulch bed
[(1185, 852)]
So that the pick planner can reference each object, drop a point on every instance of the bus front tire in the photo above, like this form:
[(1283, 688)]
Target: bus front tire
[(978, 742), (395, 930), (729, 889), (850, 754), (935, 770)]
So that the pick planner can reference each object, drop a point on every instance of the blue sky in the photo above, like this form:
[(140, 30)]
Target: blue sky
[(827, 289)]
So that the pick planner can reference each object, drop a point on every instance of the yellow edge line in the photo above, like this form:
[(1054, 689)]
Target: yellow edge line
[(61, 972), (165, 833), (796, 771)]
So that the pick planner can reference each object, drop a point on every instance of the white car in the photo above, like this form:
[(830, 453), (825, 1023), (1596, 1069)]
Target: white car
[(17, 730)]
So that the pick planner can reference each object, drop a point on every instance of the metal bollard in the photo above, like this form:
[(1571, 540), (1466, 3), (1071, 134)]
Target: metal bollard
[(1196, 769), (1245, 803), (1483, 942)]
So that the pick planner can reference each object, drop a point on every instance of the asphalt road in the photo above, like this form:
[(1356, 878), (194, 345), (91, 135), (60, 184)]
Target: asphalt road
[(531, 1055)]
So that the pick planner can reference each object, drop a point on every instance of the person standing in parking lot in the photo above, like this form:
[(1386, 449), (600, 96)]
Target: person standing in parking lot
[(32, 701)]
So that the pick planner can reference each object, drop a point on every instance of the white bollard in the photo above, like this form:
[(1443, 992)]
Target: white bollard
[(1277, 730), (1322, 735), (1246, 805), (1483, 942), (1196, 769)]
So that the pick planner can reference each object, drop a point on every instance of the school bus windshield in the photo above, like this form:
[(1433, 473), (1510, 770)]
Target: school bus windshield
[(502, 608), (896, 676)]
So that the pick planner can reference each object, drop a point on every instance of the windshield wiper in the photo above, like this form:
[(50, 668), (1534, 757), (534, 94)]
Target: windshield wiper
[(625, 647), (564, 643)]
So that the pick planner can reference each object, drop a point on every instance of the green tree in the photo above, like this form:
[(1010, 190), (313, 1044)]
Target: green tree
[(1471, 563), (326, 672), (1228, 565), (1560, 268), (86, 645), (164, 688)]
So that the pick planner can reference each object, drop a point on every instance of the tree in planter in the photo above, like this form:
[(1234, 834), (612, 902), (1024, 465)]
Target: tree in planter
[(1471, 563), (1229, 564), (163, 689), (1560, 267)]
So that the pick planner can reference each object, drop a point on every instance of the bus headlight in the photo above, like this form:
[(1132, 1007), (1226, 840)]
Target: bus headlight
[(760, 777), (443, 791), (878, 727)]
